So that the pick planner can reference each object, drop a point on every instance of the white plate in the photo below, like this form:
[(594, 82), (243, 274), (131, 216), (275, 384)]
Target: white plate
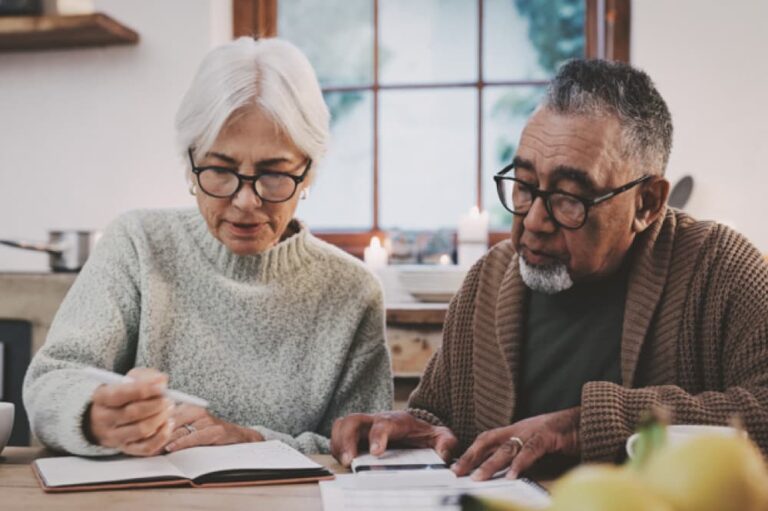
[(433, 297)]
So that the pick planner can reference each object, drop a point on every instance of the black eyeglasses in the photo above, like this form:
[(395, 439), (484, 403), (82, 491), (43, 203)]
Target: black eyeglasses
[(565, 209), (224, 182)]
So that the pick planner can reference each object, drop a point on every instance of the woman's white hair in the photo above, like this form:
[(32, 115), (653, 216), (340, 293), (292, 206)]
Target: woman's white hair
[(271, 74)]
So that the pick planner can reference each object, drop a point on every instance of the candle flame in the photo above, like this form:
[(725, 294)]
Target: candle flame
[(444, 259), (375, 242)]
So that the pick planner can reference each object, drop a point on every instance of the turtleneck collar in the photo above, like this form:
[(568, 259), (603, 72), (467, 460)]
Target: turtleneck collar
[(286, 258)]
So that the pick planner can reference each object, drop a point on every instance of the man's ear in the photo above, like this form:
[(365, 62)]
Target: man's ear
[(650, 202)]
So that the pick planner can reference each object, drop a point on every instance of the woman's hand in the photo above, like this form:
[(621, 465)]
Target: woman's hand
[(195, 426), (133, 417)]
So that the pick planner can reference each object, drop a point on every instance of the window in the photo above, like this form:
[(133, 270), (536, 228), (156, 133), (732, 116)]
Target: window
[(428, 97)]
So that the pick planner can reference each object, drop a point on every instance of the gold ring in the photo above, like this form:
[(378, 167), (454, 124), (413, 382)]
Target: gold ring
[(190, 428), (516, 440)]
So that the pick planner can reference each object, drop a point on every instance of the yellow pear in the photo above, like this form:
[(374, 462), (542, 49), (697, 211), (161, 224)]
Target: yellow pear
[(710, 473), (604, 488)]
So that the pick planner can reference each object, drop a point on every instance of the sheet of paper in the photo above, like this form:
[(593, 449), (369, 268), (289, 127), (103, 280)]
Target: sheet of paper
[(72, 470), (399, 457), (342, 495), (271, 455)]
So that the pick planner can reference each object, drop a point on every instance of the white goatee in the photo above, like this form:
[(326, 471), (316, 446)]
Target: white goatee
[(548, 279)]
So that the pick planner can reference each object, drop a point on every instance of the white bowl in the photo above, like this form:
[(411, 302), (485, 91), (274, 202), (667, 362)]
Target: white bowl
[(431, 283)]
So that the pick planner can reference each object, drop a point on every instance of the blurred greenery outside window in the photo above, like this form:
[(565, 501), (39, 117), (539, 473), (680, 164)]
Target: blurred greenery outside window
[(434, 121)]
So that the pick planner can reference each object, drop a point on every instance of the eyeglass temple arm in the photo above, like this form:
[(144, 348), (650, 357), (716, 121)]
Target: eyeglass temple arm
[(619, 190)]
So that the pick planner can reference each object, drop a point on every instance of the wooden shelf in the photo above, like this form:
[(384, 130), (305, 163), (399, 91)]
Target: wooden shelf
[(425, 314), (58, 32)]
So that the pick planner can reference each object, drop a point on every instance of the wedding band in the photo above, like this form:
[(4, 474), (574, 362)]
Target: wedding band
[(516, 440), (190, 428)]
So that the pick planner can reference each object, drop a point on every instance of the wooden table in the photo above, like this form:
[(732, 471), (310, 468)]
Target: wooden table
[(19, 490)]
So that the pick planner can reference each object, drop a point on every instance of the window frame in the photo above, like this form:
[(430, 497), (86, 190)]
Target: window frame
[(607, 32)]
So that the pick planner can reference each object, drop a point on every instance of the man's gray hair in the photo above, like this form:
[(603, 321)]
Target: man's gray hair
[(601, 88)]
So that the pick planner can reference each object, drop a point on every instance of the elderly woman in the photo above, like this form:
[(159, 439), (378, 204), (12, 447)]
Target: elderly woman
[(234, 302)]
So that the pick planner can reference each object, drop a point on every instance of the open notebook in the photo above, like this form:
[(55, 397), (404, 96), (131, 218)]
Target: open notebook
[(269, 462)]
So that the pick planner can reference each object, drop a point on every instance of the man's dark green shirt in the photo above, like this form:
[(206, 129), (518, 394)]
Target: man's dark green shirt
[(572, 337)]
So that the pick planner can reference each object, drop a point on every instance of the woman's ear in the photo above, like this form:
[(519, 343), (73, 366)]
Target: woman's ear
[(650, 202)]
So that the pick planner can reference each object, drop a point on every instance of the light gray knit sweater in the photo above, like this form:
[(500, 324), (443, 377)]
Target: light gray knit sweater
[(283, 342)]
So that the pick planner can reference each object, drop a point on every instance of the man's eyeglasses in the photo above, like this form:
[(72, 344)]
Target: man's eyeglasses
[(565, 209), (224, 182)]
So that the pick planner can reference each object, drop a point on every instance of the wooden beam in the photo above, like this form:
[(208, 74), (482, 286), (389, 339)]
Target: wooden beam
[(254, 18), (617, 29), (590, 30)]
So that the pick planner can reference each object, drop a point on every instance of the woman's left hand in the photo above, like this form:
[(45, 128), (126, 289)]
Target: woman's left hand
[(195, 426)]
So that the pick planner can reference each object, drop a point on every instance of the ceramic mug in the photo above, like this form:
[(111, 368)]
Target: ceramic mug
[(679, 433), (6, 423)]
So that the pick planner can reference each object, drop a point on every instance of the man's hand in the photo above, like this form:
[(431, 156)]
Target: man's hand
[(195, 426), (518, 446), (380, 429)]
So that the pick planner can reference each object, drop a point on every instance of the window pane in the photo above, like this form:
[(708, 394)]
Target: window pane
[(428, 157), (428, 41), (336, 35), (343, 189), (528, 40), (505, 112)]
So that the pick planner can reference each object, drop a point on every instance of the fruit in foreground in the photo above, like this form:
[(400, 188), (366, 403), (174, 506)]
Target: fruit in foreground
[(710, 473), (604, 488)]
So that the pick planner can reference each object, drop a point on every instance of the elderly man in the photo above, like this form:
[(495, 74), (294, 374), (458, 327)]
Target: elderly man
[(604, 303)]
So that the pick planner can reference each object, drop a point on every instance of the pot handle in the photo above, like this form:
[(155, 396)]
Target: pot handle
[(52, 249)]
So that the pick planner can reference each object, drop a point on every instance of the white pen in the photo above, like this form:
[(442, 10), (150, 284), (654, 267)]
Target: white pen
[(110, 377)]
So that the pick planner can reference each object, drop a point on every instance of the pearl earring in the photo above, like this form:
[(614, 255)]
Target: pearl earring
[(193, 189), (304, 195)]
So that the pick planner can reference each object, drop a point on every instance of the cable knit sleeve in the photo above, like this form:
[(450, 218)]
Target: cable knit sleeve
[(444, 395), (723, 342), (364, 385), (96, 325)]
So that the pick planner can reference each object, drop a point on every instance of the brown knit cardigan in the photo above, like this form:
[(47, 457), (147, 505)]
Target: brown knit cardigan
[(695, 339)]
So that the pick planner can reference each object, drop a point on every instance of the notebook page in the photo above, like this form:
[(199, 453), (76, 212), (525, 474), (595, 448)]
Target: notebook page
[(342, 495), (76, 471), (271, 455)]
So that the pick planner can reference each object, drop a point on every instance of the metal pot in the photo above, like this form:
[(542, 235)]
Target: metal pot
[(67, 249)]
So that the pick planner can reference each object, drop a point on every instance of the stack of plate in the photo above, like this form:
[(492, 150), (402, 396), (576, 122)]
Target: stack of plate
[(431, 283)]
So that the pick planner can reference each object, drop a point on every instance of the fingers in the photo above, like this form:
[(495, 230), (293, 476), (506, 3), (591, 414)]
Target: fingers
[(533, 449), (446, 443), (346, 435), (500, 459), (120, 436), (147, 374), (187, 414), (205, 435), (479, 451), (140, 410), (121, 394), (379, 435), (152, 445)]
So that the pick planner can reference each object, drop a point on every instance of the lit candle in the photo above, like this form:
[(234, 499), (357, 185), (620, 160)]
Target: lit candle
[(472, 236), (375, 256), (473, 227)]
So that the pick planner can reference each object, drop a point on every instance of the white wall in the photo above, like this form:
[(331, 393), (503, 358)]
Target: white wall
[(87, 134), (708, 59)]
